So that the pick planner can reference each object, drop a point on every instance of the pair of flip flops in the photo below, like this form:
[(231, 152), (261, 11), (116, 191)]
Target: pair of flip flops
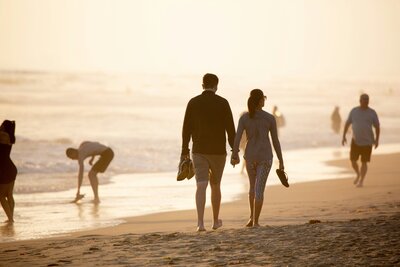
[(185, 170), (283, 177)]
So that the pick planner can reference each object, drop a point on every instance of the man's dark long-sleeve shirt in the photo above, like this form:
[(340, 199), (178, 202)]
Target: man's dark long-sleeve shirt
[(208, 116)]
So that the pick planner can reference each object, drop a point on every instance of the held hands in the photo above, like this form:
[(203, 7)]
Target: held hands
[(235, 160)]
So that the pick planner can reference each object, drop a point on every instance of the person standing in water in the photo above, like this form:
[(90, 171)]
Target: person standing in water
[(279, 118), (362, 119), (91, 149), (8, 171), (258, 125), (336, 120)]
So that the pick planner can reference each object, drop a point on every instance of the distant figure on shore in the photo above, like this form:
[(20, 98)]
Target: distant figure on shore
[(8, 171), (91, 149), (258, 125), (362, 119), (279, 118), (336, 120), (208, 118)]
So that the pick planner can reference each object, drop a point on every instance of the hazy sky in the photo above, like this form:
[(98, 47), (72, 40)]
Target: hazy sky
[(339, 38)]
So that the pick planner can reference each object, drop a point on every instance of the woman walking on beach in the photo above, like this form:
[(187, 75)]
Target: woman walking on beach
[(258, 124), (8, 171)]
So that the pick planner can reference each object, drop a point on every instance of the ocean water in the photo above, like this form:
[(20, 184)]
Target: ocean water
[(140, 117)]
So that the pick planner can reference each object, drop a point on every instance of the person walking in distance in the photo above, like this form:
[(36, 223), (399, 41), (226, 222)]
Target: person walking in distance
[(208, 118), (363, 119)]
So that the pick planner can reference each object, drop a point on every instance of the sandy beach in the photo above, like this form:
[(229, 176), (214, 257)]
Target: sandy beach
[(316, 223)]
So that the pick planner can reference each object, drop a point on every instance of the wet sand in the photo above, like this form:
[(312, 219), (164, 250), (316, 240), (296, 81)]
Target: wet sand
[(317, 223)]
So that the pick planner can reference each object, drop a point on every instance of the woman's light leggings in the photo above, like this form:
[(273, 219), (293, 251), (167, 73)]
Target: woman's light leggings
[(258, 174)]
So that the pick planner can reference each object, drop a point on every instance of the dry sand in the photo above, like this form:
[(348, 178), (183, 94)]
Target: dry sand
[(353, 226)]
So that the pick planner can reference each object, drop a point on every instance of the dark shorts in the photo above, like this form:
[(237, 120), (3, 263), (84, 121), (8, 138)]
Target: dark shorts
[(104, 160), (356, 151)]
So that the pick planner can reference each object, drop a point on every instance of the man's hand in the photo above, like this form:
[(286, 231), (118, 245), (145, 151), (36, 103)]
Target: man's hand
[(344, 141), (91, 161), (376, 144), (183, 157)]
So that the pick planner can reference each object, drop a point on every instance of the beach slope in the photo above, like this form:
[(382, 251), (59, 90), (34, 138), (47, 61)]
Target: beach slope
[(316, 223)]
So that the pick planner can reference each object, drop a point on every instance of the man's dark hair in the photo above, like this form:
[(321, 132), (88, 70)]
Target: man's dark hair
[(210, 80)]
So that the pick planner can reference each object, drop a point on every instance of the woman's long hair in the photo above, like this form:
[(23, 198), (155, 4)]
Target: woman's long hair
[(9, 127), (255, 96)]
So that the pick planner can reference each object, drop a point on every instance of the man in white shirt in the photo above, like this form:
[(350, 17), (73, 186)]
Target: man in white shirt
[(91, 149), (362, 119)]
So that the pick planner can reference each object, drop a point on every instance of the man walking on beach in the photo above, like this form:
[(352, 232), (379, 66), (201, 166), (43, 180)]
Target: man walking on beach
[(208, 118), (362, 119), (91, 149)]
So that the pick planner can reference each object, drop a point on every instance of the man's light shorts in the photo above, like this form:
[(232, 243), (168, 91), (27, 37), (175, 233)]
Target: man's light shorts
[(208, 167)]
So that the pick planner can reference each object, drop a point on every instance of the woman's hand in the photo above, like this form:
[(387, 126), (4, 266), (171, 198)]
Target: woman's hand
[(281, 166)]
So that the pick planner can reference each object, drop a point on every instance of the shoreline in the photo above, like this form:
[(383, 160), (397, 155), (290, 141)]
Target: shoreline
[(327, 222), (280, 205)]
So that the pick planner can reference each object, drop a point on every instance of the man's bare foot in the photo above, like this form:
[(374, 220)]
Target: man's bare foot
[(96, 200), (9, 221), (217, 224), (356, 180), (256, 225), (360, 185), (200, 229), (249, 223)]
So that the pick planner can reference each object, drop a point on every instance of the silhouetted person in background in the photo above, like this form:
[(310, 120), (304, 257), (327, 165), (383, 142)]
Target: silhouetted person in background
[(279, 118), (258, 125), (8, 171), (336, 120), (208, 118), (362, 119), (91, 149)]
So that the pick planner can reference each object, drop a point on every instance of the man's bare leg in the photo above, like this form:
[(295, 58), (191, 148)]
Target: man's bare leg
[(216, 203), (200, 204), (94, 182), (357, 171), (364, 169)]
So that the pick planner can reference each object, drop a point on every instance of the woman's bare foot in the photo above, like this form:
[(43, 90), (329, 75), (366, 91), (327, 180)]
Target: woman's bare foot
[(249, 223), (217, 224)]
